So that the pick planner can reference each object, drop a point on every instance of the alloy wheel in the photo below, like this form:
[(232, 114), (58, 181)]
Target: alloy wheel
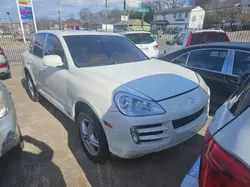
[(89, 138)]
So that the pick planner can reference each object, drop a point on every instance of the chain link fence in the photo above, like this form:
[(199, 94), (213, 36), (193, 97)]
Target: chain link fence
[(13, 45)]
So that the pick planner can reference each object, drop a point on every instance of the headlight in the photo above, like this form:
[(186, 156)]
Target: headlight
[(202, 83), (132, 105)]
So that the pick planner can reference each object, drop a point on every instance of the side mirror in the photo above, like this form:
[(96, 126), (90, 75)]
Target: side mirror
[(168, 42), (52, 61)]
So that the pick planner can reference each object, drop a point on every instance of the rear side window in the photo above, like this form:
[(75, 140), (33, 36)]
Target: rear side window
[(208, 37), (241, 63), (181, 60), (208, 59), (240, 100), (39, 44), (140, 38)]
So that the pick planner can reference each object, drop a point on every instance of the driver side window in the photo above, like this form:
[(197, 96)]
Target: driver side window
[(54, 47), (209, 59), (179, 39)]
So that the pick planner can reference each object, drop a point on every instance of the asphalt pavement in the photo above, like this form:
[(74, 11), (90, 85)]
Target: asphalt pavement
[(53, 155)]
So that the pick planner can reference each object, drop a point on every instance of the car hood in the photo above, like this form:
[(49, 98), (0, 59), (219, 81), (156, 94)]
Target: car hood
[(154, 78)]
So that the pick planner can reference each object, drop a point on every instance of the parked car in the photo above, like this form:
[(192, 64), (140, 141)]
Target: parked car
[(219, 64), (5, 72), (225, 157), (189, 38), (122, 101), (144, 41), (10, 134)]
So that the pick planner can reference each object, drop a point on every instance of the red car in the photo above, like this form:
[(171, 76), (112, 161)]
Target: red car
[(4, 66)]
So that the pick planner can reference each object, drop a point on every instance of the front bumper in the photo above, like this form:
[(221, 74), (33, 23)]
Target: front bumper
[(10, 135), (157, 132), (191, 179)]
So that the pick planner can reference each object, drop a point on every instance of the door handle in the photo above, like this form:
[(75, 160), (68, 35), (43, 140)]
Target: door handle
[(28, 62), (42, 69)]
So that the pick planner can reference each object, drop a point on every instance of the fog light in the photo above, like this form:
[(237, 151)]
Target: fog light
[(134, 134)]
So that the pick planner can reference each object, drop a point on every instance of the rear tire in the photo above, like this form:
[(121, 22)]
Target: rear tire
[(31, 88), (94, 143)]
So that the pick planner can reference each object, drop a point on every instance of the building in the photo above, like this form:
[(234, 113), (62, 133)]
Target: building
[(180, 18), (132, 24), (72, 24)]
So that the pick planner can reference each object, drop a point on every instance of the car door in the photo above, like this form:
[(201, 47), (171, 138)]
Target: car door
[(53, 79), (211, 64), (34, 59)]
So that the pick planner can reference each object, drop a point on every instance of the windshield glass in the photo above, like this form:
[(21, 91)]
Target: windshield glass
[(208, 37), (140, 38), (96, 50)]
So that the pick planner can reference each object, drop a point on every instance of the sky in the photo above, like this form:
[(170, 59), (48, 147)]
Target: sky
[(49, 7)]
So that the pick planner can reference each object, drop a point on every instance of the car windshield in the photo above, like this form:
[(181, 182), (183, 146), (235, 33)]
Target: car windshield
[(140, 38), (208, 37), (98, 50)]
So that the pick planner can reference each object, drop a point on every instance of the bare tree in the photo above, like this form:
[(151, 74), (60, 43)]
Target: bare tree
[(173, 3)]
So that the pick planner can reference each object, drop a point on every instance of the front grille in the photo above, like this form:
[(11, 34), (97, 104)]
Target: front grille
[(186, 120), (149, 133)]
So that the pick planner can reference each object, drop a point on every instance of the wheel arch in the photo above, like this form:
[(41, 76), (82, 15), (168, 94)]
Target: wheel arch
[(26, 72), (82, 105)]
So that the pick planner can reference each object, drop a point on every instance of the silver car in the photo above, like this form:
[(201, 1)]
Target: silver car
[(10, 134)]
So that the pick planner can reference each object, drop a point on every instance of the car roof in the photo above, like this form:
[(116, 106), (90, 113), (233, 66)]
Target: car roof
[(237, 45), (208, 30), (135, 32), (76, 32)]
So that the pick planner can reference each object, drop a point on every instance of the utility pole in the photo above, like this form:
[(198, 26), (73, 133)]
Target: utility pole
[(142, 20), (106, 15), (59, 14)]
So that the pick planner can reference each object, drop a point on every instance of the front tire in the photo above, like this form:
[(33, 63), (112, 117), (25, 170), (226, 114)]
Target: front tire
[(31, 89), (93, 137)]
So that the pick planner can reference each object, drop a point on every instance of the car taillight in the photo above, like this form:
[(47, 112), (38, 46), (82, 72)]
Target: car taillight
[(189, 40), (156, 47), (228, 37), (219, 168)]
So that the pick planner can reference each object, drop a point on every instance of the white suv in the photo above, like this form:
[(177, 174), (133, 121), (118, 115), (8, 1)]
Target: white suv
[(144, 41), (122, 102)]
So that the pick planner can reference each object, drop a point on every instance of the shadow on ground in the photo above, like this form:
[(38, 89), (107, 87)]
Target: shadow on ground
[(166, 168), (39, 167)]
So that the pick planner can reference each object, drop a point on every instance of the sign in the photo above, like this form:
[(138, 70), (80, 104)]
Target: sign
[(133, 4), (124, 18), (142, 10), (26, 13), (24, 3)]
